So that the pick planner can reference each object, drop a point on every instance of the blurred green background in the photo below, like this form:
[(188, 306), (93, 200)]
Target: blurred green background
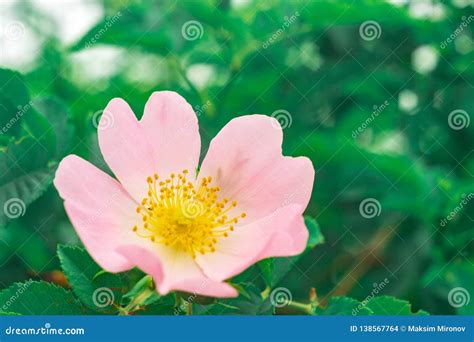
[(378, 94)]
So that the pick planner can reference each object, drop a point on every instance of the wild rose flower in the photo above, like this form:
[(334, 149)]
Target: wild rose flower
[(190, 230)]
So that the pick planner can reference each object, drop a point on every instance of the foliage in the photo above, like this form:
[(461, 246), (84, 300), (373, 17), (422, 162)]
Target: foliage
[(376, 125)]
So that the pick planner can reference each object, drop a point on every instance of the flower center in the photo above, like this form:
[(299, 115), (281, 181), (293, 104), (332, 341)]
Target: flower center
[(179, 214)]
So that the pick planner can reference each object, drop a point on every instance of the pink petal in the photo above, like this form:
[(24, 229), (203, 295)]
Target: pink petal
[(175, 271), (166, 140), (281, 233), (125, 148), (245, 160), (172, 129), (101, 211)]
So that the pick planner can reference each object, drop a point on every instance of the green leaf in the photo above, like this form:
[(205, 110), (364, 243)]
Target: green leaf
[(387, 305), (18, 117), (39, 298), (20, 240), (344, 306), (97, 293), (143, 292), (164, 306), (249, 302), (58, 116), (24, 176), (275, 269), (13, 98), (315, 235)]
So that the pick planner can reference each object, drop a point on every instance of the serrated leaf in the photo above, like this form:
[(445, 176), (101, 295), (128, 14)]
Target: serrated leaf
[(24, 177), (249, 302), (39, 298), (344, 306), (97, 293), (387, 305)]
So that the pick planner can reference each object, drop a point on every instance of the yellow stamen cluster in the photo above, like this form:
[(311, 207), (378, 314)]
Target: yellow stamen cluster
[(179, 214)]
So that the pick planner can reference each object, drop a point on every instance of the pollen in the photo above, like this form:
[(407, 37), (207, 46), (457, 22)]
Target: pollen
[(181, 214)]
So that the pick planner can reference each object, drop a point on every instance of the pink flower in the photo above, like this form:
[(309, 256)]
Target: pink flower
[(189, 230)]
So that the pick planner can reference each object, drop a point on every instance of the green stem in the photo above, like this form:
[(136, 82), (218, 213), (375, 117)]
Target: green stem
[(137, 301), (306, 308)]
